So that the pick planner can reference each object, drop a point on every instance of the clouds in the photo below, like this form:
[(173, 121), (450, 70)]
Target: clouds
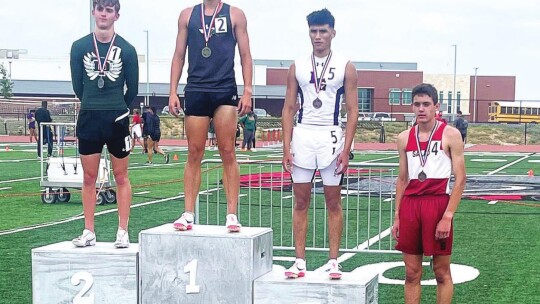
[(500, 37)]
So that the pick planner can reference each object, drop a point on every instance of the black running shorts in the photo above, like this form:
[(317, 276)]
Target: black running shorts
[(96, 128), (206, 103)]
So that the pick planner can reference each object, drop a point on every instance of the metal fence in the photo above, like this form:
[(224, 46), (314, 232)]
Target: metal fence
[(266, 200)]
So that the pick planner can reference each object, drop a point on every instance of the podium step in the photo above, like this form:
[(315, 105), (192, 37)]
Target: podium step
[(315, 287), (63, 273), (204, 265)]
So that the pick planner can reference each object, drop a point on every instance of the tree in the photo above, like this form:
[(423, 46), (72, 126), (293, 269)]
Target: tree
[(6, 85)]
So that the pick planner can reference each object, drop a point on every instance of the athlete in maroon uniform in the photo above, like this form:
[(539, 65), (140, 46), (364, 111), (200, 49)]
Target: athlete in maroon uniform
[(428, 154)]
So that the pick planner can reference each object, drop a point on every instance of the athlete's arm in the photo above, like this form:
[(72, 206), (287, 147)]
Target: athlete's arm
[(131, 66), (452, 138), (178, 60), (351, 104), (402, 180), (287, 116), (239, 21), (76, 72)]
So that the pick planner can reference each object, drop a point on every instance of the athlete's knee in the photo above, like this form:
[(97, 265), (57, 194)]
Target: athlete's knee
[(301, 203), (121, 178), (442, 273), (413, 275), (195, 154), (333, 205)]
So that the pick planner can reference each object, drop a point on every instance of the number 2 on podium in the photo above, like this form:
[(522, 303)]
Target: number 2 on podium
[(191, 267), (88, 282)]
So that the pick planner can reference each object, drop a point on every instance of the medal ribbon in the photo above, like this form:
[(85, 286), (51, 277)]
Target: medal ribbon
[(318, 80), (101, 66), (207, 34), (423, 157)]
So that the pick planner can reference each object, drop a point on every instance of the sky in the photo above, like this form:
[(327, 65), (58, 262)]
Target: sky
[(498, 37)]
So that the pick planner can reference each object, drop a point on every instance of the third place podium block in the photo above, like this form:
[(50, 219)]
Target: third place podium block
[(204, 265), (101, 274), (316, 288)]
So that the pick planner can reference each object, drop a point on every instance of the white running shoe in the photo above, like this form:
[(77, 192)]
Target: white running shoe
[(232, 223), (297, 270), (334, 269), (122, 239), (88, 238), (185, 222)]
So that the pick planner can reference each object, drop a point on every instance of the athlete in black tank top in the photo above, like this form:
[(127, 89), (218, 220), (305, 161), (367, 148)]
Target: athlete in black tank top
[(211, 31), (215, 73)]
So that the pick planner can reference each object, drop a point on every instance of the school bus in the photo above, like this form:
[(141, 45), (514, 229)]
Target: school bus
[(509, 111)]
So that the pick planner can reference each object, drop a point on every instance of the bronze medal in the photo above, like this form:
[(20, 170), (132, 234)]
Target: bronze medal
[(422, 176), (206, 52), (317, 103)]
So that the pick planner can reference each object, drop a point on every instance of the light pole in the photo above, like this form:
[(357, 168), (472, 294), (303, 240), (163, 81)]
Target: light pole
[(454, 93), (474, 104), (147, 98), (92, 23)]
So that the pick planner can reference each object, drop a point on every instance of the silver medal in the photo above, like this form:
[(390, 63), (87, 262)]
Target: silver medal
[(422, 176), (206, 52), (101, 83), (317, 103)]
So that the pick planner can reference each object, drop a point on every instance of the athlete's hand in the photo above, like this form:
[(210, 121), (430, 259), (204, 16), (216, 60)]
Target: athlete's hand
[(244, 105), (174, 105), (342, 163), (443, 228), (395, 229), (287, 162)]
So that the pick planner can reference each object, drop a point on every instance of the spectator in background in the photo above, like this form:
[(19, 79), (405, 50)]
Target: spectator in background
[(462, 125), (144, 117), (136, 130), (154, 135), (248, 122), (32, 124), (254, 132), (211, 136), (43, 115)]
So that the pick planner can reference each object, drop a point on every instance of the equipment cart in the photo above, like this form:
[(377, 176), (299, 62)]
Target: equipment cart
[(60, 172)]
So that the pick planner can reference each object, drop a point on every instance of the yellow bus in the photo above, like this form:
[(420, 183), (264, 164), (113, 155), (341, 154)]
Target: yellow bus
[(510, 111)]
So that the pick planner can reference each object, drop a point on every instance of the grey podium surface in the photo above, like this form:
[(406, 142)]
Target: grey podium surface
[(204, 265), (63, 273), (316, 287)]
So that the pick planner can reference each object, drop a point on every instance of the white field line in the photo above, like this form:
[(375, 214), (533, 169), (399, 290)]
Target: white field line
[(510, 164), (378, 159), (78, 217), (19, 180), (18, 160)]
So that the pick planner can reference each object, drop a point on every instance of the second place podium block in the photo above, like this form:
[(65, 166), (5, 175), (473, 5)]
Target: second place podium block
[(204, 265)]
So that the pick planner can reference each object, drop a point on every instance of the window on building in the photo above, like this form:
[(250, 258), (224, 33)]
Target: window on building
[(406, 97), (450, 102), (365, 100), (528, 111), (441, 97), (503, 110), (515, 110), (394, 97), (458, 101), (534, 111)]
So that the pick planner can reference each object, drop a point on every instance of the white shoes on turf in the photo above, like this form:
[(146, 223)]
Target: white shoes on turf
[(232, 223), (185, 222), (88, 238), (122, 239), (334, 269), (297, 270)]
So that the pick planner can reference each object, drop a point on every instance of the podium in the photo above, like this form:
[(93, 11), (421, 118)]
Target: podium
[(63, 273), (207, 264), (315, 287)]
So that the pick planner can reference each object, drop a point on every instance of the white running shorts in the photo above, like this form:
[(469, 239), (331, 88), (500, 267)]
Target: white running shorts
[(330, 178), (316, 147), (136, 131)]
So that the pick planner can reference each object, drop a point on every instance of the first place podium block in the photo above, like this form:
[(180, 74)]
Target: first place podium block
[(63, 273), (204, 265), (315, 288)]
